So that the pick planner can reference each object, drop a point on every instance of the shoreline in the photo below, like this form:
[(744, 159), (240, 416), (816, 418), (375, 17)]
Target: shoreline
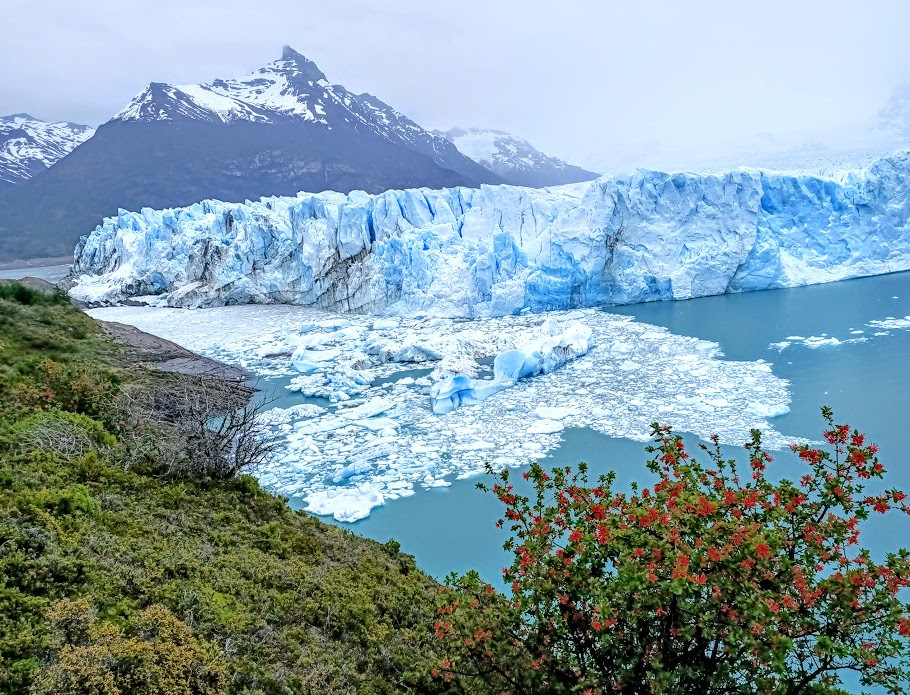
[(166, 356)]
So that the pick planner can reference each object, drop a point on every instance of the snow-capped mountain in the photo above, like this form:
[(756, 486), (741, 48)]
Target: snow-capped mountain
[(514, 158), (280, 130), (29, 145), (292, 91)]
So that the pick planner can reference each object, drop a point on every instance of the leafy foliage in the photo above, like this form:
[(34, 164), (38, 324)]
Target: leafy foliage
[(116, 578), (97, 658), (705, 582)]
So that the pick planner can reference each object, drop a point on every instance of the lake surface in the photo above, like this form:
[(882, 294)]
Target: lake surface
[(866, 381), (51, 273)]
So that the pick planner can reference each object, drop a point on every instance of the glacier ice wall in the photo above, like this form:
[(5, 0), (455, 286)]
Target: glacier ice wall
[(499, 250)]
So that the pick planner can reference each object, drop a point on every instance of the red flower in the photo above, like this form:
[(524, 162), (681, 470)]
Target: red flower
[(705, 507), (763, 551), (811, 455)]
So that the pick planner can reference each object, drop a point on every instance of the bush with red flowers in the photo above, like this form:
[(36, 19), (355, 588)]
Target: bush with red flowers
[(707, 582)]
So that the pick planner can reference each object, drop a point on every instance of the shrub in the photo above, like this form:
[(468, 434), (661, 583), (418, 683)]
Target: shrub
[(69, 435), (74, 388), (703, 583), (204, 428), (19, 293), (97, 658)]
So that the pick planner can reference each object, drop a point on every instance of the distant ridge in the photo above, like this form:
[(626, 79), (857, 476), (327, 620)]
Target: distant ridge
[(514, 158)]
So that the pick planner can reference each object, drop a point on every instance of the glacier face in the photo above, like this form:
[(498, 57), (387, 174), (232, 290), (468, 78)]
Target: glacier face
[(501, 250)]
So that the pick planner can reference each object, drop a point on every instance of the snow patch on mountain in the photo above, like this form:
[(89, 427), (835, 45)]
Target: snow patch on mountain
[(29, 145), (894, 117)]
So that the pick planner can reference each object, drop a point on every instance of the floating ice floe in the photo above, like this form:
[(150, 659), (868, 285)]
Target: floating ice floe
[(548, 347), (891, 323), (859, 335), (382, 440)]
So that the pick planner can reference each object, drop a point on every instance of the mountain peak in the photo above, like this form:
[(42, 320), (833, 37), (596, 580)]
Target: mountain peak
[(288, 53), (13, 117), (307, 67), (514, 158)]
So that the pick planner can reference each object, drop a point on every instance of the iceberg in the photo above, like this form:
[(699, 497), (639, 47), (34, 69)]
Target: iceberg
[(553, 348), (503, 250), (346, 504)]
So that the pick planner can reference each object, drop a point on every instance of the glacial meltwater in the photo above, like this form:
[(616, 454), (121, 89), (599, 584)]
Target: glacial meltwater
[(722, 363)]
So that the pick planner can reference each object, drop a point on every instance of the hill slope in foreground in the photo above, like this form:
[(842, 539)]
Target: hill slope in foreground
[(110, 568)]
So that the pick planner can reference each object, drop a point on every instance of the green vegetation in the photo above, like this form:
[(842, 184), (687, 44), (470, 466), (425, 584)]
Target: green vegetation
[(121, 574), (711, 581), (136, 559)]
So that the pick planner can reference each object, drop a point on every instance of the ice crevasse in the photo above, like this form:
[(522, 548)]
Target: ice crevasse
[(501, 250)]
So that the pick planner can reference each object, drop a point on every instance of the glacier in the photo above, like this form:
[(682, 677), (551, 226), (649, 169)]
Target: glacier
[(504, 250)]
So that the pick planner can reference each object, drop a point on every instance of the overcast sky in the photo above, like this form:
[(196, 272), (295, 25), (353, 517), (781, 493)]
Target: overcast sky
[(591, 81)]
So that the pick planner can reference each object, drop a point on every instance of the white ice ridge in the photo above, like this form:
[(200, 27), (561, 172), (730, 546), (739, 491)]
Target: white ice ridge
[(359, 429), (499, 250)]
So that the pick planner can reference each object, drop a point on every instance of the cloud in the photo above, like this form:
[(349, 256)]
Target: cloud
[(590, 81)]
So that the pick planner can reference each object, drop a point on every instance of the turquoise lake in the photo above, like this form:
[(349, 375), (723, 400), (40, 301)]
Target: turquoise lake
[(867, 383)]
